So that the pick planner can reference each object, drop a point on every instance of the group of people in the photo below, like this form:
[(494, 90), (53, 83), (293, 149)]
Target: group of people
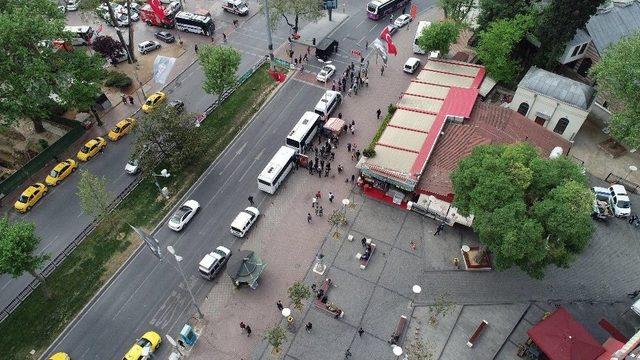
[(357, 79)]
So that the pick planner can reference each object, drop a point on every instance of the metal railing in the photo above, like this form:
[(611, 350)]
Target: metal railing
[(57, 261), (629, 185)]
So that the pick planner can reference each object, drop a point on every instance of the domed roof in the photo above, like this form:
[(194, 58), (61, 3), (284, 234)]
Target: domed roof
[(558, 87)]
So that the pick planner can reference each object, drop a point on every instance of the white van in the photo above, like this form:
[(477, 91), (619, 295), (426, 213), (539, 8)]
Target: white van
[(421, 26), (328, 103), (242, 223)]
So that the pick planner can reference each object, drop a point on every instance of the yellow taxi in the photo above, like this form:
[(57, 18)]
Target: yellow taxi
[(30, 196), (91, 148), (60, 356), (61, 171), (122, 128), (150, 339), (153, 101)]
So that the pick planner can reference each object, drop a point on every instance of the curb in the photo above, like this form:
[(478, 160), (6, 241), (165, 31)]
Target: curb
[(124, 265)]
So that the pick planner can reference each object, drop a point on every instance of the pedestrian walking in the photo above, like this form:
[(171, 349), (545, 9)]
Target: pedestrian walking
[(339, 169), (349, 147), (382, 70), (196, 48), (300, 59), (357, 154), (124, 99), (250, 198), (224, 38), (378, 112), (333, 156), (339, 115), (349, 92), (331, 196), (242, 326), (353, 178), (235, 23), (333, 87), (310, 166), (366, 81), (633, 218), (308, 49), (360, 331), (279, 305), (366, 44), (130, 99), (319, 171), (355, 89), (316, 211), (308, 327), (305, 57), (295, 62), (314, 202), (248, 330), (309, 218), (353, 129), (364, 241), (391, 18), (439, 229), (320, 211), (347, 353), (404, 9)]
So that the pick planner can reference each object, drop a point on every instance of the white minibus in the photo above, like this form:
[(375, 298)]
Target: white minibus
[(304, 131), (421, 26), (276, 170)]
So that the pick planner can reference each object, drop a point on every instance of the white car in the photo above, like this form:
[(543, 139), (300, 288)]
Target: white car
[(132, 167), (148, 46), (411, 65), (183, 215), (242, 223), (402, 20), (619, 201), (212, 262), (326, 73)]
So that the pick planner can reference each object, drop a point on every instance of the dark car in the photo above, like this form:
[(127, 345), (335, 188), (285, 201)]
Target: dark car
[(165, 36), (177, 104)]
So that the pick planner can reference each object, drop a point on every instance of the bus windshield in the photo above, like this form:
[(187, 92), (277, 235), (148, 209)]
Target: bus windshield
[(372, 8)]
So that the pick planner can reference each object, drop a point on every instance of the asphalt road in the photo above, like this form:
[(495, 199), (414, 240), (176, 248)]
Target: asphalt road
[(59, 218), (148, 294)]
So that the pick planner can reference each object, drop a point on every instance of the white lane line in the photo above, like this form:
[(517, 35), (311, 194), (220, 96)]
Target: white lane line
[(252, 163), (360, 23), (233, 158), (135, 292), (5, 285), (50, 243)]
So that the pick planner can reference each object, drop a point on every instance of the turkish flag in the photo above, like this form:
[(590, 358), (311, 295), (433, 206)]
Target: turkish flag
[(157, 8), (391, 47)]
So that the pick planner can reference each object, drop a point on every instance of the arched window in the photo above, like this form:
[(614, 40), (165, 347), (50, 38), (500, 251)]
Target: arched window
[(523, 108), (561, 126)]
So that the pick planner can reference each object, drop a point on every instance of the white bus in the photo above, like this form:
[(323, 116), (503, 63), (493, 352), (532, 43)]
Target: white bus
[(194, 23), (276, 170), (82, 35), (304, 131), (421, 26)]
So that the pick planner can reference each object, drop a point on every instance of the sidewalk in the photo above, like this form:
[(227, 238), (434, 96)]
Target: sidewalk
[(282, 236)]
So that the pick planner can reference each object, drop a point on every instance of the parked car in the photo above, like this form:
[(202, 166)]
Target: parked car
[(326, 73), (411, 65), (172, 8), (402, 20), (132, 167), (153, 101), (165, 36), (619, 201), (60, 172), (212, 262), (150, 339), (91, 148), (243, 221), (122, 128), (183, 215), (392, 29), (73, 5), (177, 104), (238, 7), (30, 196), (60, 356), (146, 47)]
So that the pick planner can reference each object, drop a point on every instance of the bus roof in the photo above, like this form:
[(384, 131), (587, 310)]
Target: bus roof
[(192, 16), (380, 2), (306, 122), (277, 163)]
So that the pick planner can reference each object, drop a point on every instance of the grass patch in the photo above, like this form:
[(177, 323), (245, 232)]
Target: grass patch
[(38, 321)]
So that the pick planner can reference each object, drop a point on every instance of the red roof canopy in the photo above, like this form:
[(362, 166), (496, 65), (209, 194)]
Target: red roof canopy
[(561, 337)]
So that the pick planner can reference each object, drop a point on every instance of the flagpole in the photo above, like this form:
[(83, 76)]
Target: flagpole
[(269, 40)]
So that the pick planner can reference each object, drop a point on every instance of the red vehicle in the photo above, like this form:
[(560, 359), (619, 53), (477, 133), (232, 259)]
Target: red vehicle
[(152, 19)]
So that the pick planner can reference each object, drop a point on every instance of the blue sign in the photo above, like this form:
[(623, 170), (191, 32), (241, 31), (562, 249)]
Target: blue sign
[(330, 4)]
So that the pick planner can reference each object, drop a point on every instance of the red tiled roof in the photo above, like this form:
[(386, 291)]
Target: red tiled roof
[(487, 124)]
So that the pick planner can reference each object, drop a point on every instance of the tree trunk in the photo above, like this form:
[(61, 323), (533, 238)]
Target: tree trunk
[(37, 125), (295, 27), (132, 57), (45, 288), (95, 115)]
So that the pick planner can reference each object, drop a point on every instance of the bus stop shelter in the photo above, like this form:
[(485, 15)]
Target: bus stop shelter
[(244, 268)]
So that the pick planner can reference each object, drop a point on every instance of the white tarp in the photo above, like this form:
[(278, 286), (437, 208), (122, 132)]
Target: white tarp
[(162, 67)]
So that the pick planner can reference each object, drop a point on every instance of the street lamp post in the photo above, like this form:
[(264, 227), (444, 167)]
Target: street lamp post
[(269, 40), (165, 174), (632, 168), (184, 277)]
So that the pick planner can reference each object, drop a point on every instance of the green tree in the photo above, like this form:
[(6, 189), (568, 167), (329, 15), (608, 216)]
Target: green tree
[(219, 64), (558, 24), (456, 10), (529, 211), (617, 76), (165, 134), (439, 36), (94, 196), (298, 292), (495, 46), (109, 47), (309, 10), (18, 241), (31, 72), (275, 337), (492, 10)]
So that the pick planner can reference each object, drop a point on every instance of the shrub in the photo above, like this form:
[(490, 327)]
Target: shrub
[(118, 80), (391, 109), (369, 152)]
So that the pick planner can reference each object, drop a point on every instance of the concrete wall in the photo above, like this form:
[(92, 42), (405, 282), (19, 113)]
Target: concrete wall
[(553, 109)]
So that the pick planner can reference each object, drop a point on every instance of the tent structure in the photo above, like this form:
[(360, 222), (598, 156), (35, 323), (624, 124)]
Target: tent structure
[(561, 337), (244, 268)]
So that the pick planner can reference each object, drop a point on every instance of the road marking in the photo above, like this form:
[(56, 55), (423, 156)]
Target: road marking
[(233, 158), (252, 163), (135, 292), (360, 23), (50, 243)]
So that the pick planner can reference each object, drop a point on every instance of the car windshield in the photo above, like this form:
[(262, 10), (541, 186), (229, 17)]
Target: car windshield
[(23, 199), (85, 149), (116, 129), (177, 217), (219, 252), (143, 342), (149, 102), (53, 173), (624, 204)]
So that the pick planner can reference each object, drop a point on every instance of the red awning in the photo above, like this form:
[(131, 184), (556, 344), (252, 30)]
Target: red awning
[(561, 337)]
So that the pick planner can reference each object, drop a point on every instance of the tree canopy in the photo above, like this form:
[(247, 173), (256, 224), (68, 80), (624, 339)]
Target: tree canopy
[(617, 76), (529, 211), (219, 64), (32, 71), (558, 24), (109, 47), (94, 196), (439, 36), (496, 44), (492, 10), (294, 10), (456, 10)]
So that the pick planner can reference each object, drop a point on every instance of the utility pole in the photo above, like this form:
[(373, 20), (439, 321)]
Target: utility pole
[(269, 40)]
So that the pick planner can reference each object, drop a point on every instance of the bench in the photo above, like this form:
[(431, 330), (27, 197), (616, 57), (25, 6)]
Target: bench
[(476, 334), (399, 331), (364, 263), (329, 308)]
